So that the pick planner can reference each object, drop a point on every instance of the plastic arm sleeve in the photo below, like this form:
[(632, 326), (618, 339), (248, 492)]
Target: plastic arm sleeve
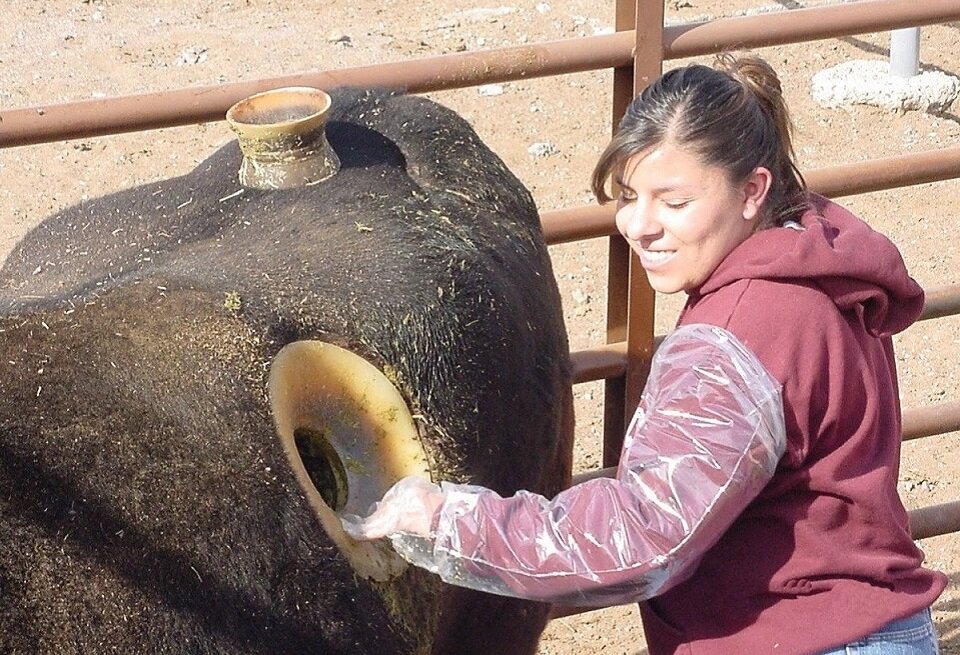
[(705, 439)]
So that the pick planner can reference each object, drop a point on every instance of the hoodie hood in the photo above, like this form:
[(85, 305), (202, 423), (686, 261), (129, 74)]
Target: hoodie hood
[(857, 267)]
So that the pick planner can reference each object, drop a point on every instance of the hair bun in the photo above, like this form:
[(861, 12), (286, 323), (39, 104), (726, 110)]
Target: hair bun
[(755, 75)]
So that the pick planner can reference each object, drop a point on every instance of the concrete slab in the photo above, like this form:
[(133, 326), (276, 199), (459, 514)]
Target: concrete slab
[(869, 82)]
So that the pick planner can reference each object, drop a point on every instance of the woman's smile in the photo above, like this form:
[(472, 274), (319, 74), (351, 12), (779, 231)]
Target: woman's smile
[(654, 259)]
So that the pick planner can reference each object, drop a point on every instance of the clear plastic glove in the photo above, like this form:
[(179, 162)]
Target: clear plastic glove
[(706, 438), (408, 507)]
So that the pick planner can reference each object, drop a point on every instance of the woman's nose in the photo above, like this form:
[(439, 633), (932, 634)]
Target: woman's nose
[(635, 220)]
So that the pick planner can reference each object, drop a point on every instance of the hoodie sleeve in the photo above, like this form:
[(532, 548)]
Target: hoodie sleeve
[(705, 439)]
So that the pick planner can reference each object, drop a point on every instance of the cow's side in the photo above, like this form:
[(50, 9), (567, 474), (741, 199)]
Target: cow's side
[(148, 499)]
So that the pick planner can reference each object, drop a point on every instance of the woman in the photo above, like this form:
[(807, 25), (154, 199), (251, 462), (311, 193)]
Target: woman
[(755, 507)]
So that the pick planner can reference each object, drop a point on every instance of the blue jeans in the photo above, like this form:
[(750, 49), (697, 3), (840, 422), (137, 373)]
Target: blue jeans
[(914, 635)]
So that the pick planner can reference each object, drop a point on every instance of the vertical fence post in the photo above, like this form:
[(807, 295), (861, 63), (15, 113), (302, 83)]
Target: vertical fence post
[(630, 301), (905, 52)]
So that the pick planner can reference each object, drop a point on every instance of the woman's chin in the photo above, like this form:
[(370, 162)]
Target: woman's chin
[(664, 284)]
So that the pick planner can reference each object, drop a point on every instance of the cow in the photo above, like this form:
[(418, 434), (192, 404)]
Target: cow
[(166, 482)]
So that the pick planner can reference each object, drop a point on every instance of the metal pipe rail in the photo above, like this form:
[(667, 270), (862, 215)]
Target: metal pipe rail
[(589, 221), (613, 359), (934, 520), (798, 25), (610, 360), (918, 422), (941, 302), (132, 113), (925, 522)]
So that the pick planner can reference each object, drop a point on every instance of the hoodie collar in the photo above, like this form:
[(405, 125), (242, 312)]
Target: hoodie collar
[(860, 269)]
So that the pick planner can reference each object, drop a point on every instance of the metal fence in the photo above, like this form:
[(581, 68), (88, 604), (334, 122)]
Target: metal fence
[(623, 362)]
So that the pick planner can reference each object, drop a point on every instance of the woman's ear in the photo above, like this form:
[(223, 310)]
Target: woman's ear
[(755, 190)]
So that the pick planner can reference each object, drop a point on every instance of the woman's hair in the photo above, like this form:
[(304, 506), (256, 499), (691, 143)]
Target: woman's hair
[(732, 116)]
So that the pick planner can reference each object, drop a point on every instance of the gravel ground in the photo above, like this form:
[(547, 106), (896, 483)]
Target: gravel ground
[(548, 131)]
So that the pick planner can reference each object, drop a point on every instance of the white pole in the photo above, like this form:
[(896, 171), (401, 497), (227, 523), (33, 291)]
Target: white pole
[(905, 52)]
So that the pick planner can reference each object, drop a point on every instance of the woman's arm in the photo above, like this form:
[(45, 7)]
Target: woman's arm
[(704, 441)]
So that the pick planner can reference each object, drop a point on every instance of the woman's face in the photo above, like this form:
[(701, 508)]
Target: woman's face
[(681, 217)]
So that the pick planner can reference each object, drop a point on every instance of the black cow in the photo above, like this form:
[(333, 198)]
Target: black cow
[(146, 501)]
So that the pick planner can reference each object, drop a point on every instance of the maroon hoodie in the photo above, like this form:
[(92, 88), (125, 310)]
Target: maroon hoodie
[(823, 555)]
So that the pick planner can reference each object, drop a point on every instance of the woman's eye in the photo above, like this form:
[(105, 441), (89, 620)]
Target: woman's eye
[(626, 196), (676, 204)]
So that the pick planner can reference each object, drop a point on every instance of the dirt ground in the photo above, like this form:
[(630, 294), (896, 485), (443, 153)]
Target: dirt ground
[(548, 131)]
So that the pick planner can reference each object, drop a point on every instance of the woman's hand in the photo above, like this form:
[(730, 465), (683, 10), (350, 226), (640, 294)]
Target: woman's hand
[(408, 507)]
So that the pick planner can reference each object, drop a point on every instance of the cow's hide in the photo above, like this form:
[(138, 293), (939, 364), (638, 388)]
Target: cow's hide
[(146, 504)]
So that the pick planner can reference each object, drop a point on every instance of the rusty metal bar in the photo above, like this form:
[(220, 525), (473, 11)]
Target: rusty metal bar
[(648, 65), (209, 103), (833, 181), (578, 223), (611, 472), (918, 423), (610, 360), (608, 472), (878, 174), (131, 113), (629, 297), (935, 520), (925, 522), (938, 418), (600, 363), (799, 25), (618, 252), (940, 302)]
